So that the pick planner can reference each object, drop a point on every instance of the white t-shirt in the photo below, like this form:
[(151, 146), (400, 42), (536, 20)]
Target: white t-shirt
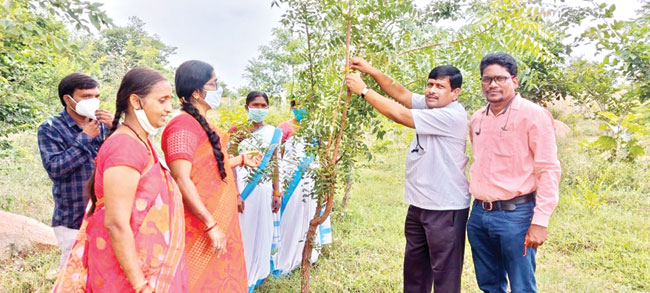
[(435, 174)]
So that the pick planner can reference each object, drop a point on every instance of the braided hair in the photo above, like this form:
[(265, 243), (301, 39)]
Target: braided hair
[(139, 81), (190, 77)]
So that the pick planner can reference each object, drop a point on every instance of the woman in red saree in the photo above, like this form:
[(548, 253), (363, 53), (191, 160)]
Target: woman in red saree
[(132, 238), (193, 150)]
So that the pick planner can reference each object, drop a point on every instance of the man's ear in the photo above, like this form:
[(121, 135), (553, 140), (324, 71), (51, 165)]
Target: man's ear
[(515, 80), (456, 93), (67, 100)]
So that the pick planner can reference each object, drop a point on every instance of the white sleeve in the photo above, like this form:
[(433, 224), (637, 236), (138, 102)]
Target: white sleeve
[(418, 102), (446, 121)]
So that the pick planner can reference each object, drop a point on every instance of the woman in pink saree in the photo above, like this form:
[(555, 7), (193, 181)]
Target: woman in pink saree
[(132, 238)]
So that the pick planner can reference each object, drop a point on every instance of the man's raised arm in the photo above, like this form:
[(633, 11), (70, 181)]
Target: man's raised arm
[(387, 84)]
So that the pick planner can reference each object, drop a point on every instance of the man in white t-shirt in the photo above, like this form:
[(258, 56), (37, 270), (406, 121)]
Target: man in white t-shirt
[(436, 187)]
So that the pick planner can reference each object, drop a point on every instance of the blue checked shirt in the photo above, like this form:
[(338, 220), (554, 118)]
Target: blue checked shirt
[(68, 156)]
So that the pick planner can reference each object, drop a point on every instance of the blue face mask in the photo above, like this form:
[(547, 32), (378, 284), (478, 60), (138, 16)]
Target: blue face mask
[(299, 114), (257, 115)]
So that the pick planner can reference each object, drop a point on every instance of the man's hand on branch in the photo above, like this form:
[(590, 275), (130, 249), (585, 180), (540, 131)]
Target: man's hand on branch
[(355, 83), (360, 64)]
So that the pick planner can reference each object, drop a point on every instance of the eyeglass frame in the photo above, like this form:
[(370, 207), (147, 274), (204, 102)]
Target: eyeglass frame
[(215, 84), (495, 79)]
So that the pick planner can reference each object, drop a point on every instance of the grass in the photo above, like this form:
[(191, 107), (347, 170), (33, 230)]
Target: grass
[(591, 248)]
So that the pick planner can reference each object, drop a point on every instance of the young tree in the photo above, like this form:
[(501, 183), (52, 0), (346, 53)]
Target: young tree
[(405, 42)]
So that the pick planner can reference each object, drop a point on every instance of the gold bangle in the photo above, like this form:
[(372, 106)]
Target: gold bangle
[(277, 193)]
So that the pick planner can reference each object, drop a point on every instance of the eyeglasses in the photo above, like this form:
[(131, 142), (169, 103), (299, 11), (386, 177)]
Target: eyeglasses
[(212, 84), (501, 79)]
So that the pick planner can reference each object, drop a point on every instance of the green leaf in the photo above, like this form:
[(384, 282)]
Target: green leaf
[(605, 142), (609, 115), (636, 150), (95, 21)]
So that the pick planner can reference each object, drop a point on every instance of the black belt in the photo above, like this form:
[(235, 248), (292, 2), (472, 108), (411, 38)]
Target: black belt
[(505, 205)]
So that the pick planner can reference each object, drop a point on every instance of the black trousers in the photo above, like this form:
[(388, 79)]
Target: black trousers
[(435, 245)]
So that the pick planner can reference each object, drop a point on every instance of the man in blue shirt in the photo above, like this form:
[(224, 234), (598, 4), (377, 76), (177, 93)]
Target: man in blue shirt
[(68, 144)]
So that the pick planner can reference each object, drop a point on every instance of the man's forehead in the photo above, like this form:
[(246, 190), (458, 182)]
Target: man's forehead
[(90, 91), (440, 80)]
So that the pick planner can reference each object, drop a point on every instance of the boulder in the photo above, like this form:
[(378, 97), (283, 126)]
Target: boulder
[(19, 233), (561, 129)]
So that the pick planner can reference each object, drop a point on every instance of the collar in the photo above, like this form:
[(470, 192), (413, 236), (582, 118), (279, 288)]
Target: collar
[(67, 119), (515, 104)]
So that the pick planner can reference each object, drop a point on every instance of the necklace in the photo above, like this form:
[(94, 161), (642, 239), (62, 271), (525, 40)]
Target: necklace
[(136, 134)]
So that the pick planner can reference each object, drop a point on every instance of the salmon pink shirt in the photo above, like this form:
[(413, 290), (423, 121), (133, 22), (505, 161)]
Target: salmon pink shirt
[(515, 153)]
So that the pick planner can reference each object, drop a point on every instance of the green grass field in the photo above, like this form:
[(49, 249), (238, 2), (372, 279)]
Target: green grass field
[(598, 237)]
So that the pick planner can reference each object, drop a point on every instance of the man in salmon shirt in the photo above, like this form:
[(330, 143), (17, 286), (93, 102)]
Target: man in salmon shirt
[(514, 180)]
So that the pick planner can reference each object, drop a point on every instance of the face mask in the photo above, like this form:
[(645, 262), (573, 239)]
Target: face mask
[(86, 107), (213, 98), (144, 121), (299, 114), (257, 115)]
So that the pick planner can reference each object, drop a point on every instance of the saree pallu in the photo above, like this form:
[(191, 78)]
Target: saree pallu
[(298, 208), (157, 222), (257, 220), (184, 138)]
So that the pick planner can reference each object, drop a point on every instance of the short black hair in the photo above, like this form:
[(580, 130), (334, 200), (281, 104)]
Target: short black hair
[(455, 77), (73, 82), (293, 103), (502, 59), (254, 94)]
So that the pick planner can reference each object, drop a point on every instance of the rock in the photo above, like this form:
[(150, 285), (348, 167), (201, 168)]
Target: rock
[(20, 233), (561, 129)]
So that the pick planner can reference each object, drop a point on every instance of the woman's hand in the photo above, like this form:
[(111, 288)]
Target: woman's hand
[(277, 201), (218, 239), (240, 203), (252, 159)]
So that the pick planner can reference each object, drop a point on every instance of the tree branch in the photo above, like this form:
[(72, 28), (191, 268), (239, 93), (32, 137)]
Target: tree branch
[(447, 43)]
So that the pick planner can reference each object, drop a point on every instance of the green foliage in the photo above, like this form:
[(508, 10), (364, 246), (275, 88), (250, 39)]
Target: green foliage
[(37, 50), (623, 134), (31, 44), (306, 58), (592, 192), (593, 86), (78, 12), (625, 45)]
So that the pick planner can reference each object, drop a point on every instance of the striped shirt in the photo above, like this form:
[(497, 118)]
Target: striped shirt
[(68, 156)]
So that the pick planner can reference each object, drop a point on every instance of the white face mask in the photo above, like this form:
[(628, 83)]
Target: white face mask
[(144, 121), (86, 107), (213, 98)]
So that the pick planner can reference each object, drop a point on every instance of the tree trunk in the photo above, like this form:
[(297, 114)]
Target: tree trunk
[(348, 189), (329, 196)]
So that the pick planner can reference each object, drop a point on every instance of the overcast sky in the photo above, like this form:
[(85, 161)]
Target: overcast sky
[(225, 34)]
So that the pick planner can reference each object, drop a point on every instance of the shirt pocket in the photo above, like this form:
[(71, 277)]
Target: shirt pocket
[(502, 155)]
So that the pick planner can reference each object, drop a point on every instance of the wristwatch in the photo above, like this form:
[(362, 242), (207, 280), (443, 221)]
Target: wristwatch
[(364, 92)]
